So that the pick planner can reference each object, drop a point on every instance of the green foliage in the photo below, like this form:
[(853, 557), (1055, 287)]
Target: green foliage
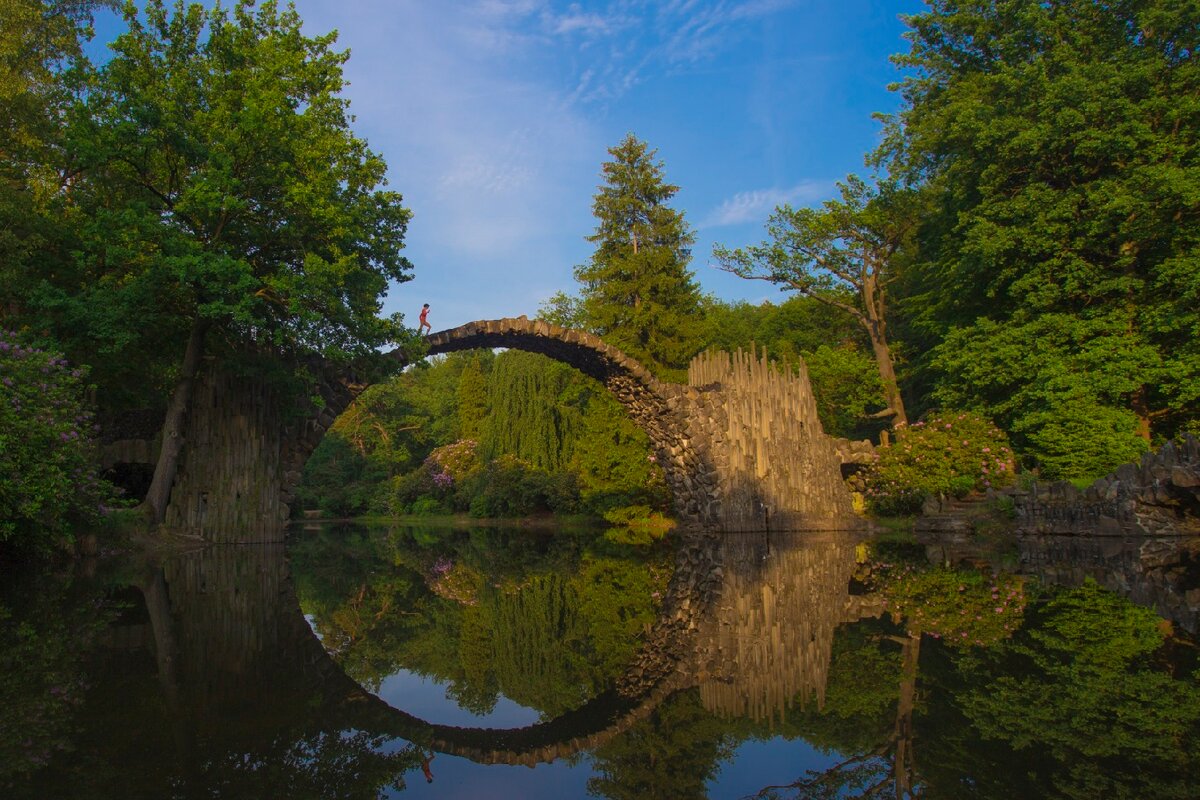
[(541, 620), (785, 330), (472, 400), (1057, 280), (833, 345), (673, 752), (43, 675), (204, 178), (844, 255), (612, 457), (1069, 417), (847, 388), (48, 476), (389, 430), (565, 310), (529, 419), (948, 454), (509, 487), (397, 449), (338, 480), (861, 692), (637, 291), (220, 136)]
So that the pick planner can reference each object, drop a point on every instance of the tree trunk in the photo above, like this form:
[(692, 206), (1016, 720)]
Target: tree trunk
[(876, 327), (159, 494), (1141, 406), (902, 764), (887, 374)]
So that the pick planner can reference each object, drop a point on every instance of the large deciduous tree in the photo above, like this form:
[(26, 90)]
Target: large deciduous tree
[(1060, 280), (229, 192), (842, 254), (637, 290)]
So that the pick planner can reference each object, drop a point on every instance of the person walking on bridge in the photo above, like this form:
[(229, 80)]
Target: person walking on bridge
[(425, 326)]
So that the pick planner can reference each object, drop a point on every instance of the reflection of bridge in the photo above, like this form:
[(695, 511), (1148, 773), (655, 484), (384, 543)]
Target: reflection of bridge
[(231, 640), (741, 445)]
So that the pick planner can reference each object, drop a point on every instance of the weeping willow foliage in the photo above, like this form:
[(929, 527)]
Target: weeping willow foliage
[(530, 417)]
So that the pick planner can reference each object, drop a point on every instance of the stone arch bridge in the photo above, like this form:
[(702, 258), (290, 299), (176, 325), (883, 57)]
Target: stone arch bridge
[(740, 444)]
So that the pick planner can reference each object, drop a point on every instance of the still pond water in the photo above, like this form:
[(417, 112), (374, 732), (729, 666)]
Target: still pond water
[(491, 663)]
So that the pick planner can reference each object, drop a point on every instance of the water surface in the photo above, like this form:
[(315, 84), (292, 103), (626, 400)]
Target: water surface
[(387, 662)]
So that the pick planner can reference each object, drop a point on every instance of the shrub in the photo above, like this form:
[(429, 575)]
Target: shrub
[(953, 453), (511, 487), (457, 460), (48, 476)]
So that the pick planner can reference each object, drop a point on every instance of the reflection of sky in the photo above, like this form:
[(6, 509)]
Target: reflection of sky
[(773, 762), (455, 777), (426, 698)]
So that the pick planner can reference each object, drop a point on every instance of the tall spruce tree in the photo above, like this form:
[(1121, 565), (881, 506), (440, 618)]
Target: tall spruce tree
[(637, 291)]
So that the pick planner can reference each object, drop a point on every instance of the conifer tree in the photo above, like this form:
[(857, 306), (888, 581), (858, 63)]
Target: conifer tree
[(637, 291)]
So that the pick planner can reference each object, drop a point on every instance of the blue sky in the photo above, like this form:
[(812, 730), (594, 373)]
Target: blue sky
[(494, 117)]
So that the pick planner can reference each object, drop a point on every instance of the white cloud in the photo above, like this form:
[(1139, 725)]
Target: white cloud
[(576, 21), (757, 204)]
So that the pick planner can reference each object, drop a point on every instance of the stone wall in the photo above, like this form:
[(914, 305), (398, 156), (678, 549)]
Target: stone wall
[(1158, 496)]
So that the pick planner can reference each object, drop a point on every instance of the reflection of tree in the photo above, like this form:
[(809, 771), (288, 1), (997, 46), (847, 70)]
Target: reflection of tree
[(46, 633), (559, 639), (672, 753), (872, 710), (966, 608), (1082, 701), (867, 716), (211, 687), (539, 646), (322, 764)]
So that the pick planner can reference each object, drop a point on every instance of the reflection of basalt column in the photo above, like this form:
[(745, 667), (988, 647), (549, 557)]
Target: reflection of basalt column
[(237, 628), (772, 639)]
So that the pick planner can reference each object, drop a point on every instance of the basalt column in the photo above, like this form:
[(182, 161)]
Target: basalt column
[(758, 425)]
